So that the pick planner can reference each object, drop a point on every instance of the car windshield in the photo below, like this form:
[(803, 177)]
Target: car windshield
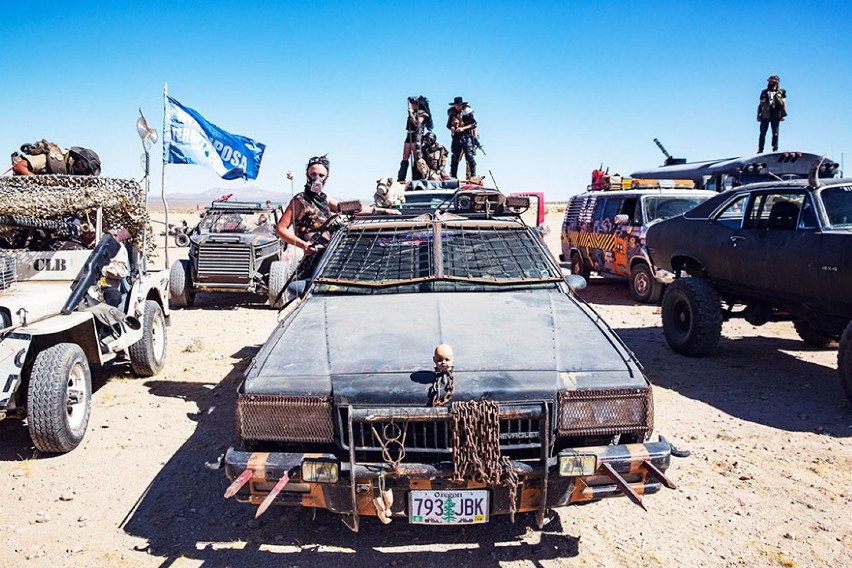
[(661, 207), (233, 222), (838, 206), (436, 256)]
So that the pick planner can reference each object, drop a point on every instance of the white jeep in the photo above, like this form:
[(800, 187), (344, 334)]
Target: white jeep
[(54, 321)]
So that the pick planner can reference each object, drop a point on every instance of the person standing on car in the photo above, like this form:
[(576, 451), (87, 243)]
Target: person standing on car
[(462, 125), (419, 120), (771, 110)]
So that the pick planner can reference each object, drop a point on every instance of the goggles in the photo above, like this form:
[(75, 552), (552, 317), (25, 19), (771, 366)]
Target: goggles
[(318, 160)]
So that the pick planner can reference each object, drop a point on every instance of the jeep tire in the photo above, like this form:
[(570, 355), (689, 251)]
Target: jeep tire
[(643, 286), (148, 355), (578, 267), (692, 317), (844, 360), (279, 274), (811, 336), (59, 398), (180, 285)]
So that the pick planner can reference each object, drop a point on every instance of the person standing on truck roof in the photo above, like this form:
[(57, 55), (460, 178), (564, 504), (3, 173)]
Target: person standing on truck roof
[(462, 125), (771, 110)]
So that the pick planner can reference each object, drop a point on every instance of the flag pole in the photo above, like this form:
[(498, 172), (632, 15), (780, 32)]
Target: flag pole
[(163, 174)]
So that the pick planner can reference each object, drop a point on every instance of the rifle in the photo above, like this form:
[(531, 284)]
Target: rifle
[(101, 256), (477, 144)]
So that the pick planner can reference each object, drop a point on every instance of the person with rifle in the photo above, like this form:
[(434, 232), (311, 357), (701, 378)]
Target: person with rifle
[(462, 125), (771, 110), (419, 120)]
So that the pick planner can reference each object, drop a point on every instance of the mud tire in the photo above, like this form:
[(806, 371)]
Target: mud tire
[(180, 285), (643, 286), (811, 336), (692, 317), (148, 355), (59, 398), (578, 267)]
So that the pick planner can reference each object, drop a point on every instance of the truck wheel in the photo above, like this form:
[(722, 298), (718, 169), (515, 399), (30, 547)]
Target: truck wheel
[(844, 360), (643, 286), (811, 336), (578, 267), (148, 355), (279, 273), (692, 317), (180, 285), (59, 398), (182, 240)]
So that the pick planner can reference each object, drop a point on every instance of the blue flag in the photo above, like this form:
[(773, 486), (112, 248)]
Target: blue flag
[(190, 139)]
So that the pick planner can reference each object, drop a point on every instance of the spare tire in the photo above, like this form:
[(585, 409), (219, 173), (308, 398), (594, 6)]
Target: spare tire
[(182, 240), (180, 285)]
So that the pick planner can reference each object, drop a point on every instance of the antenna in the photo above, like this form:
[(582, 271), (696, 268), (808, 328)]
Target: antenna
[(494, 180)]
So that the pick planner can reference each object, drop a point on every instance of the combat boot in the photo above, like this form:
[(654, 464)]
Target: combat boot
[(403, 171)]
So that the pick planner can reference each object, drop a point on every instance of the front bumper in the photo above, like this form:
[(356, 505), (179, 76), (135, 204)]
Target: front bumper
[(631, 470)]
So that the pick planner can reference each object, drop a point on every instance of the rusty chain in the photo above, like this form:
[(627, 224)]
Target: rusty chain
[(446, 382), (389, 439), (475, 427)]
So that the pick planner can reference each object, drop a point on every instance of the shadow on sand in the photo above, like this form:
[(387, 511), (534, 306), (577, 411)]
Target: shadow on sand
[(15, 441), (760, 382), (181, 519)]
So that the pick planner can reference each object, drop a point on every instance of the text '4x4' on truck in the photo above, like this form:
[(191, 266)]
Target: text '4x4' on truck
[(439, 369)]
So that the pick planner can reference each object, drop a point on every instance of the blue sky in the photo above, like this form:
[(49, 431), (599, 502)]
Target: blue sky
[(558, 87)]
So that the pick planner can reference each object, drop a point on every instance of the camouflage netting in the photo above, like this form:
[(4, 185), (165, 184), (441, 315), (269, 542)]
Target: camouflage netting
[(123, 200)]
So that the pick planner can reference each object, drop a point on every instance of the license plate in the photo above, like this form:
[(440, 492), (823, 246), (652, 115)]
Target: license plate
[(447, 507)]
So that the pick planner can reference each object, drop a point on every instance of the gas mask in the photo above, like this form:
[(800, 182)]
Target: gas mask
[(316, 185)]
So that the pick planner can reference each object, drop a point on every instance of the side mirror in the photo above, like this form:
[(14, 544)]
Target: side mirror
[(622, 219), (543, 230), (575, 281)]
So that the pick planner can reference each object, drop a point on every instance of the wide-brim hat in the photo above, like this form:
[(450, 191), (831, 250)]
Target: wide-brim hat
[(458, 101), (775, 78)]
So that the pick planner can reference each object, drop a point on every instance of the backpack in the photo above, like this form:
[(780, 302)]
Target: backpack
[(86, 162)]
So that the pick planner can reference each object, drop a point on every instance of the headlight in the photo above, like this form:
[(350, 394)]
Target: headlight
[(274, 418), (576, 465), (606, 412), (320, 471)]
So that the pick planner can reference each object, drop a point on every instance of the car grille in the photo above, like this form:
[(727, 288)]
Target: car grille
[(428, 430), (225, 260), (273, 418)]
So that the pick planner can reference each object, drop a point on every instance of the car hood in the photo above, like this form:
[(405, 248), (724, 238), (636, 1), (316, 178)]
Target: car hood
[(378, 349)]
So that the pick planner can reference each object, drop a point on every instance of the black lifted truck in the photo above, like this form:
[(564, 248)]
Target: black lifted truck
[(439, 369), (765, 252), (234, 248)]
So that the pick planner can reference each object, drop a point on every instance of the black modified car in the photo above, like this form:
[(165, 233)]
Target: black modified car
[(764, 252), (234, 248), (439, 369)]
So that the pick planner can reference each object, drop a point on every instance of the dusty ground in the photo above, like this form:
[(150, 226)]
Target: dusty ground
[(769, 481)]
